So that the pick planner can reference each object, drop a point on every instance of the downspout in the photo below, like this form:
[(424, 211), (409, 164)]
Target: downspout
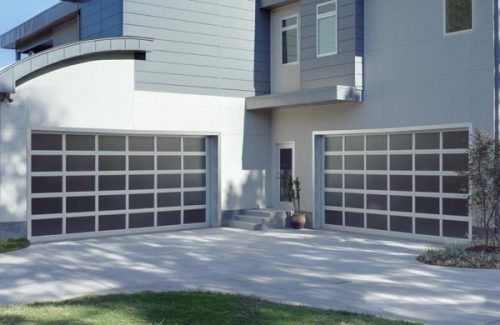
[(496, 41)]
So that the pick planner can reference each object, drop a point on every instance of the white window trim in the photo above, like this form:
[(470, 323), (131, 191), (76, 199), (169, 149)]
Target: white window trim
[(465, 31), (284, 29), (326, 15)]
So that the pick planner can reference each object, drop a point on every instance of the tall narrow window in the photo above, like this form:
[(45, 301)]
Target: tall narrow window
[(326, 28), (458, 15), (289, 40)]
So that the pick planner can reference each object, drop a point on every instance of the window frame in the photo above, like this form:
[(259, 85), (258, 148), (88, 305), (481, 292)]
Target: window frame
[(327, 15), (459, 32), (284, 29)]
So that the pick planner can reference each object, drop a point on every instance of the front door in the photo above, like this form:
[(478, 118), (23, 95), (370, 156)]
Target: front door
[(285, 168)]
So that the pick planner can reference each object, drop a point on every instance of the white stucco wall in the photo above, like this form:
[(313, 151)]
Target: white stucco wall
[(100, 95)]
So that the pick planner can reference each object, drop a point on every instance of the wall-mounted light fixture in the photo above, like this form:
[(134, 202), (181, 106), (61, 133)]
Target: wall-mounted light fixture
[(5, 97)]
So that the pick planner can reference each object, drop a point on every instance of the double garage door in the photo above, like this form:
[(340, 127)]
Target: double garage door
[(400, 182), (82, 185)]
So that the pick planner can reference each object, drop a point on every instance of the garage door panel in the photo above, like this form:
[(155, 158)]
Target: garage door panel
[(404, 182), (85, 183)]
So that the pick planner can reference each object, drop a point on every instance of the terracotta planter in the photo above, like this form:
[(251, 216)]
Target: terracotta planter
[(298, 220)]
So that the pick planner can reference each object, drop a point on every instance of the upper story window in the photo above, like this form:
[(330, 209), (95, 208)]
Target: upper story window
[(289, 40), (458, 15), (326, 22)]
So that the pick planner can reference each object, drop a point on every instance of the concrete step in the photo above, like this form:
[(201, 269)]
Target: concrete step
[(265, 213), (252, 219), (245, 225)]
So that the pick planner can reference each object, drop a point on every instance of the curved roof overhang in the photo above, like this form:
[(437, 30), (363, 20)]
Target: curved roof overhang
[(10, 75)]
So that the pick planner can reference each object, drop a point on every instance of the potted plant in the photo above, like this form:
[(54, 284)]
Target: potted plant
[(298, 217)]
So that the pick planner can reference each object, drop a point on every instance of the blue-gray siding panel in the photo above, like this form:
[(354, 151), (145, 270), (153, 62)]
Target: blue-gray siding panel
[(339, 69), (215, 47), (101, 18)]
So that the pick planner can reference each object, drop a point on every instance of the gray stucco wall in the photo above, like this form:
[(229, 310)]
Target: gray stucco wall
[(414, 76), (101, 18), (340, 69), (214, 47)]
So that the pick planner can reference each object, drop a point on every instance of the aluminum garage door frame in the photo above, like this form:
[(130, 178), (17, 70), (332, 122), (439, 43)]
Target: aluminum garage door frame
[(360, 195), (141, 194)]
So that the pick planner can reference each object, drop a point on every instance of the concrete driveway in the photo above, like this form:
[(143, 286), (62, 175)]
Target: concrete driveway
[(324, 269)]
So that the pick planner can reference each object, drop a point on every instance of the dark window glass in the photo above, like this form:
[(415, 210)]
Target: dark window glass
[(376, 142), (194, 216), (111, 143), (333, 199), (195, 180), (112, 183), (333, 144), (80, 163), (427, 226), (289, 40), (355, 181), (195, 198), (169, 200), (376, 162), (194, 144), (401, 142), (194, 162), (376, 182), (401, 162), (112, 222), (401, 183), (354, 143), (353, 219), (141, 220), (111, 202), (80, 142), (46, 184), (456, 207), (169, 144), (354, 162), (141, 182), (354, 200), (427, 205), (426, 141), (46, 227), (46, 206), (141, 163), (333, 217), (169, 218), (80, 183), (141, 201), (169, 163), (427, 184), (455, 162), (376, 202), (455, 229), (46, 163), (333, 181), (458, 15), (169, 181), (455, 184), (401, 224), (141, 143), (333, 162), (46, 142), (80, 224), (427, 162), (80, 204), (111, 163), (401, 203), (376, 221), (456, 140)]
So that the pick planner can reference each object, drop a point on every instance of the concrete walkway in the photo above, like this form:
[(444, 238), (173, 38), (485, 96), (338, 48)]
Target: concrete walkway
[(323, 269)]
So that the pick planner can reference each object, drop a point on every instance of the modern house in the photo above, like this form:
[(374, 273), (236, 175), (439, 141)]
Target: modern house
[(126, 116)]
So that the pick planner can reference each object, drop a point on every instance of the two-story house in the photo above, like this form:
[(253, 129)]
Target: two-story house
[(126, 116)]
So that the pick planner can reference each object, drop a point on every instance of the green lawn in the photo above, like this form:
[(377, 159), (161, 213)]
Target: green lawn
[(8, 245), (176, 308)]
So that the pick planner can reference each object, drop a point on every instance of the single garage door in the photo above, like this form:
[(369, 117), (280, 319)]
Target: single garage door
[(397, 182), (84, 185)]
